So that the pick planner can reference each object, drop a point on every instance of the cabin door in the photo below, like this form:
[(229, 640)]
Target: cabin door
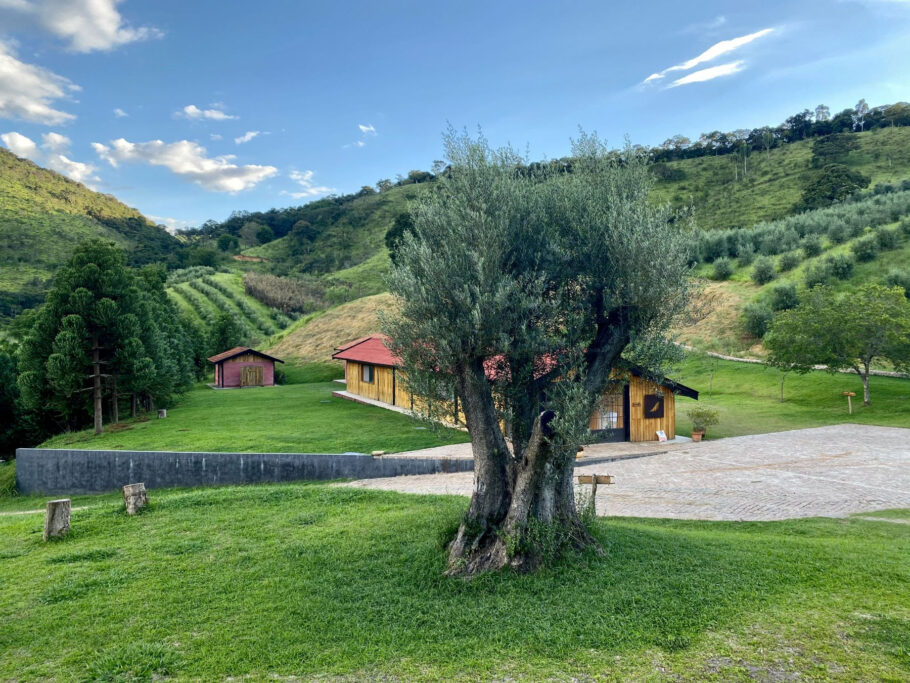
[(251, 376)]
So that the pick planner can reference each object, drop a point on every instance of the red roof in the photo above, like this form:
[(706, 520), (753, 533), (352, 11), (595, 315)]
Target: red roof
[(236, 351), (370, 350)]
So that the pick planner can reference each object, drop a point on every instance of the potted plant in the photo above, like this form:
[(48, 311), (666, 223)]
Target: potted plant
[(702, 418)]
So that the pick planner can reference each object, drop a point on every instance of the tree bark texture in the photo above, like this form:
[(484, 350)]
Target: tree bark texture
[(57, 518), (135, 497), (115, 403), (523, 505), (96, 386)]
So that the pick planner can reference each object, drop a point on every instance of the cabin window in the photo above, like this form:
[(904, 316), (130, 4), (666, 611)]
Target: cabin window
[(367, 375), (609, 412)]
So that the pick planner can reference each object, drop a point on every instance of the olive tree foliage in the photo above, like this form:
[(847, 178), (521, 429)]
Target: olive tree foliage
[(518, 291)]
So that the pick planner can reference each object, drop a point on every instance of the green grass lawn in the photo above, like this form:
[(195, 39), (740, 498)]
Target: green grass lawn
[(747, 398), (294, 418), (309, 580)]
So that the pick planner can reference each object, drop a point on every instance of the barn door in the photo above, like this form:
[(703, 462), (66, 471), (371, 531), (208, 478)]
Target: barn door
[(251, 376)]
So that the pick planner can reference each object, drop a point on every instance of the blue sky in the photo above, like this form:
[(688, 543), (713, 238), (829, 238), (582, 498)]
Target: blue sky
[(189, 110)]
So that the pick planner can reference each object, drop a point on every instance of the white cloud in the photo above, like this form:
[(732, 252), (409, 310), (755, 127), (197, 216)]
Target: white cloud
[(119, 113), (173, 225), (246, 137), (215, 136), (305, 180), (709, 74), (54, 142), (192, 112), (78, 171), (86, 25), (52, 154), (368, 129), (21, 146), (712, 53), (188, 160), (28, 91)]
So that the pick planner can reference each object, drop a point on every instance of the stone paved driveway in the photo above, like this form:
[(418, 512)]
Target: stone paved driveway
[(826, 471)]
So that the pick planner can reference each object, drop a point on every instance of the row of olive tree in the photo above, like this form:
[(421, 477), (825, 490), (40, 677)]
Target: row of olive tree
[(520, 292)]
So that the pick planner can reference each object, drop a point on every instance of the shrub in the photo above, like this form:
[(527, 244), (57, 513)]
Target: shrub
[(905, 226), (763, 270), (817, 274), (723, 269), (745, 255), (899, 278), (865, 248), (702, 418), (888, 238), (788, 261), (841, 266), (838, 233), (812, 245), (784, 296), (757, 318)]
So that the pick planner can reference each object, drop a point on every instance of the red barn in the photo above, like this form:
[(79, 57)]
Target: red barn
[(244, 367)]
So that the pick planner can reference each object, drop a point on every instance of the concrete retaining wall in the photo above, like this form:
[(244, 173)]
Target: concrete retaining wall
[(65, 471)]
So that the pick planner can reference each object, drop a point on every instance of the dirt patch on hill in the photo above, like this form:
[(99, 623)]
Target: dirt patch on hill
[(316, 340), (721, 330), (253, 259)]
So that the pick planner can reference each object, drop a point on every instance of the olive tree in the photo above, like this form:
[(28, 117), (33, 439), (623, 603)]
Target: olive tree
[(519, 289)]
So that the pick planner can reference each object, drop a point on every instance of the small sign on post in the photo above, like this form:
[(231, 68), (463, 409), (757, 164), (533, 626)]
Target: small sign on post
[(850, 395), (594, 480)]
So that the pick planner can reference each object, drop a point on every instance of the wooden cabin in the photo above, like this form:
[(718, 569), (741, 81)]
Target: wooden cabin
[(244, 367), (371, 371), (635, 410)]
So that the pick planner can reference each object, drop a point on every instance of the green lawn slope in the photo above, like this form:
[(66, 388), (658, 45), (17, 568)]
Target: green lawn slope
[(294, 418), (747, 398), (316, 582)]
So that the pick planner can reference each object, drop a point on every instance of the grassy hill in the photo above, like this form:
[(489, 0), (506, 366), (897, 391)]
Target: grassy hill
[(723, 198), (315, 338), (293, 418), (343, 234), (43, 215)]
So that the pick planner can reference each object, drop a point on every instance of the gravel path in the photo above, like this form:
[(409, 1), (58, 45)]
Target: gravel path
[(826, 471)]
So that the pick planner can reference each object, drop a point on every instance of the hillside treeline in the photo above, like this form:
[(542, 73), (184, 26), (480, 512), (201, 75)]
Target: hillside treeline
[(800, 126)]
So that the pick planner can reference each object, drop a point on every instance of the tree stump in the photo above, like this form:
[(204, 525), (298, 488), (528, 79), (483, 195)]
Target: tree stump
[(57, 518), (135, 498)]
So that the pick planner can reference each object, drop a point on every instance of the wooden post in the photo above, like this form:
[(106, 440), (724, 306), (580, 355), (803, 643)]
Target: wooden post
[(594, 480), (135, 498), (850, 395), (57, 518)]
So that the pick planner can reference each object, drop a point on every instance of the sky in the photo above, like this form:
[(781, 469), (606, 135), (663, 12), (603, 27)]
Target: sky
[(191, 110)]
